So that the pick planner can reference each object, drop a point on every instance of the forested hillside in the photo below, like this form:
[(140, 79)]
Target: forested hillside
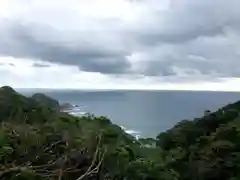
[(38, 142)]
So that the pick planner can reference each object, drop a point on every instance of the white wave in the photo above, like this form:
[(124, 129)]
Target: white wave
[(134, 133), (76, 111)]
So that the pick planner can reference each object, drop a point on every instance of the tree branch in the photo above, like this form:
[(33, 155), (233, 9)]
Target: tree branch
[(90, 170), (21, 169)]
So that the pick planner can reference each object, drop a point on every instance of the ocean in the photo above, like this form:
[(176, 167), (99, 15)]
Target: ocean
[(144, 113)]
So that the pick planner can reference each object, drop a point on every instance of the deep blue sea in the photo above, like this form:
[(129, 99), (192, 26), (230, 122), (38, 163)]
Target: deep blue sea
[(144, 112)]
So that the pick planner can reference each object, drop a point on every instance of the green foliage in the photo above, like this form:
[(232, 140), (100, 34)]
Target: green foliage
[(206, 148), (38, 142), (45, 100), (148, 170)]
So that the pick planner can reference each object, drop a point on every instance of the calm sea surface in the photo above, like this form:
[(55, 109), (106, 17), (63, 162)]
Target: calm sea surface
[(146, 112)]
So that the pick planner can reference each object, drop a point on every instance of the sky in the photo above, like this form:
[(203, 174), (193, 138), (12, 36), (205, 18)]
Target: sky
[(120, 44)]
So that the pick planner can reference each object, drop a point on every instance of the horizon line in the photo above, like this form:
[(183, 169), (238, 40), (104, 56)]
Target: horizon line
[(127, 89)]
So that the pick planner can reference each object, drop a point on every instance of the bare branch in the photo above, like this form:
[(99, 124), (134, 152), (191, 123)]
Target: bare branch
[(21, 169), (60, 174), (53, 144), (90, 170)]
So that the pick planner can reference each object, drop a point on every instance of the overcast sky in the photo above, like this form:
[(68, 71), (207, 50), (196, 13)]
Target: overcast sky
[(120, 44)]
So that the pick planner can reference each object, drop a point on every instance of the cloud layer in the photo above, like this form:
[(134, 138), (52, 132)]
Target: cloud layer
[(163, 41)]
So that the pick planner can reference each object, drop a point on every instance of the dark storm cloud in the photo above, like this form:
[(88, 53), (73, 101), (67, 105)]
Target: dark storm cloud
[(192, 38), (21, 42)]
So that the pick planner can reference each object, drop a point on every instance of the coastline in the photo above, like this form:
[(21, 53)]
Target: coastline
[(75, 110)]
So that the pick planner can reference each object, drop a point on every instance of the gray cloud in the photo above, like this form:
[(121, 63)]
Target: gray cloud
[(11, 64), (7, 64), (20, 41), (190, 39), (189, 20), (41, 65)]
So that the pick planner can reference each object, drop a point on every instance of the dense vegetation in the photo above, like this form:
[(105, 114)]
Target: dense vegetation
[(43, 99), (39, 142)]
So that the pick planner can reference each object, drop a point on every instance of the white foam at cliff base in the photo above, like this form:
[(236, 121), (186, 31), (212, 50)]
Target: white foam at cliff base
[(134, 133), (76, 111)]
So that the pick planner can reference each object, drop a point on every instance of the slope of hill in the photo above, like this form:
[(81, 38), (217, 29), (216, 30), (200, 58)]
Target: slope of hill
[(38, 142), (206, 148), (15, 107), (44, 99)]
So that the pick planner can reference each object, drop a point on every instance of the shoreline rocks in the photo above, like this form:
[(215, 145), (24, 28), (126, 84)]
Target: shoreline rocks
[(66, 106)]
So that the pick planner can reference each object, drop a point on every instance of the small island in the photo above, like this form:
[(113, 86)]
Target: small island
[(38, 141)]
